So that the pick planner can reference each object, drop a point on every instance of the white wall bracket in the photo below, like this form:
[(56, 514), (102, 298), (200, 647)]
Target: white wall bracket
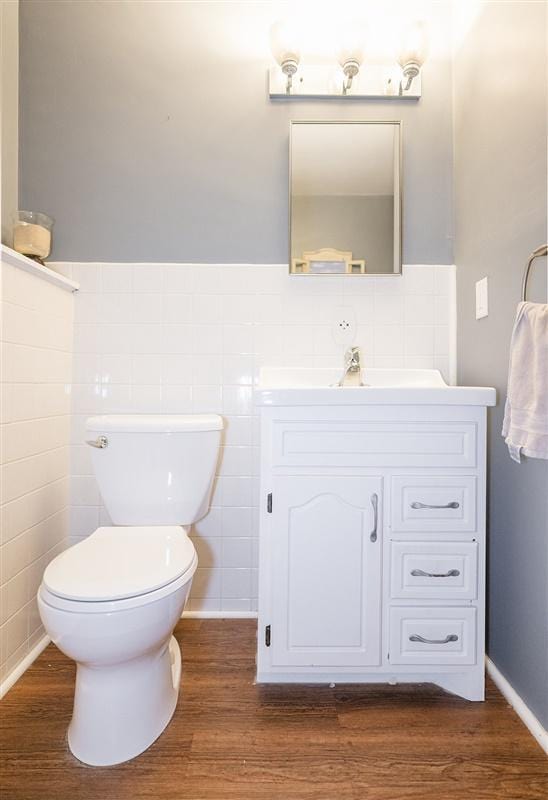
[(327, 82)]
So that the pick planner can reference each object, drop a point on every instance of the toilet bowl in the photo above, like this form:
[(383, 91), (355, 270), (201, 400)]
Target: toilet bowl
[(113, 609), (111, 602)]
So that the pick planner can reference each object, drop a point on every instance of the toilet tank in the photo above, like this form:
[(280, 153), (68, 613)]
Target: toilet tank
[(155, 469)]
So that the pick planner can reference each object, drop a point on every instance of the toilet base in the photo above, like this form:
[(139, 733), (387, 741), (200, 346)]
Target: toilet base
[(120, 710)]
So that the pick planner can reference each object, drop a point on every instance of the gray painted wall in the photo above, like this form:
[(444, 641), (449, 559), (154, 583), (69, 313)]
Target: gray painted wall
[(9, 72), (364, 225), (147, 132), (500, 204)]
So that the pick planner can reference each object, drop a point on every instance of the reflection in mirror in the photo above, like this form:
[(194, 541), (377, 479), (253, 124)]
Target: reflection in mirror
[(345, 198)]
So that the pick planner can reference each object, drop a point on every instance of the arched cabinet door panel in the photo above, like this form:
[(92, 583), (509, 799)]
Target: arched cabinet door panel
[(325, 562)]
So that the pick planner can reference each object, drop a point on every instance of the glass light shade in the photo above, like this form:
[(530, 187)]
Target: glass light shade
[(284, 42), (351, 44), (414, 44)]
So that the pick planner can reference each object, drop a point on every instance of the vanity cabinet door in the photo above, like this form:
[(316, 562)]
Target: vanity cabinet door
[(325, 549)]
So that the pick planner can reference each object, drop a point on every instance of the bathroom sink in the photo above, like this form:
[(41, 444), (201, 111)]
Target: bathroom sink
[(318, 386)]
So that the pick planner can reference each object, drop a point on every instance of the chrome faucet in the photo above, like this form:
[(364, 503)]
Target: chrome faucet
[(352, 372)]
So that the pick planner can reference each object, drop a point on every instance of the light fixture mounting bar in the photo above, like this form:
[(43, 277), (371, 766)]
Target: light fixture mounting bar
[(327, 82)]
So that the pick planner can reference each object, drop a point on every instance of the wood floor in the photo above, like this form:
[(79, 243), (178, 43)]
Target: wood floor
[(231, 739)]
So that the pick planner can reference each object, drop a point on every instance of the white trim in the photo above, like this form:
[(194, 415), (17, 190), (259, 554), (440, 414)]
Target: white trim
[(23, 665), (20, 261), (220, 615), (523, 711)]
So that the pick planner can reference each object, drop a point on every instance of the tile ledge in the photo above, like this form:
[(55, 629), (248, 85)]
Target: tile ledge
[(15, 259)]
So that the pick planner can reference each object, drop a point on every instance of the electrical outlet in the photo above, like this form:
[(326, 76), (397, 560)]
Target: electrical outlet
[(343, 326)]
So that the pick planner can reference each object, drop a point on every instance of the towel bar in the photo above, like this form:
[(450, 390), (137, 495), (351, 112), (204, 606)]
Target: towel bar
[(538, 253)]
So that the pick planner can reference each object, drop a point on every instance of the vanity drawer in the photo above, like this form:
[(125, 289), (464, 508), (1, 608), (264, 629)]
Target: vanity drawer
[(434, 570), (379, 443), (432, 635), (434, 503)]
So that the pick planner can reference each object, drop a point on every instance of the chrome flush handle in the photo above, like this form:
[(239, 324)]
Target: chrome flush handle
[(375, 504), (101, 442), (454, 504), (452, 637), (419, 573)]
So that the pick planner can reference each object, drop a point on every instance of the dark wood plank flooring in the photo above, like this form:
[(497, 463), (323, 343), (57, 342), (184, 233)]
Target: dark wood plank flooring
[(233, 740)]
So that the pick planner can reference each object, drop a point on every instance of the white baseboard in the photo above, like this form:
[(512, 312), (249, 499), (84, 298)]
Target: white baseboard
[(523, 711), (23, 665), (220, 615)]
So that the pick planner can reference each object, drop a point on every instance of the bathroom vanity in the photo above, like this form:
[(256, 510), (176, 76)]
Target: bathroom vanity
[(372, 529)]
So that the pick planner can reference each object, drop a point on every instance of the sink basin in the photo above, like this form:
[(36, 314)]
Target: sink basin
[(317, 386)]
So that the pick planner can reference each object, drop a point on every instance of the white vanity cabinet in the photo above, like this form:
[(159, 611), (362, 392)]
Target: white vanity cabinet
[(372, 537)]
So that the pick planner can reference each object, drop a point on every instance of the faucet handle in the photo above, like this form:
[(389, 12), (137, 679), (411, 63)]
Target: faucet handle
[(352, 358)]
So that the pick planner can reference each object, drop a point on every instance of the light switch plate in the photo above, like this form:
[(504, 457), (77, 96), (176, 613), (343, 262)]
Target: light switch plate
[(482, 299)]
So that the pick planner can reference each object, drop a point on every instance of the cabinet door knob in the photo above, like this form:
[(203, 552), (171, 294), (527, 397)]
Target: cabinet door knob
[(452, 637), (420, 573), (375, 504)]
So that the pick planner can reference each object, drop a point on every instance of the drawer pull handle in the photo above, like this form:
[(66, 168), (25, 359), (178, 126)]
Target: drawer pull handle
[(452, 637), (454, 504), (101, 442), (375, 504), (420, 573)]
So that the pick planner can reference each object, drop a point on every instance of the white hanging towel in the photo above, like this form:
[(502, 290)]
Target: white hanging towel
[(525, 426)]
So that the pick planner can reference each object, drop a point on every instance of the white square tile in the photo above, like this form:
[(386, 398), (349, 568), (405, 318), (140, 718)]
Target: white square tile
[(146, 368), (207, 369), (115, 308), (116, 368), (148, 308), (389, 340), (237, 521), (206, 309), (177, 339), (146, 399), (237, 553), (238, 370), (419, 340), (148, 277), (176, 368), (238, 339), (88, 276), (419, 309), (178, 277), (238, 309), (207, 279), (443, 279), (116, 338), (207, 400), (418, 279), (116, 278), (236, 583), (177, 309), (441, 340), (177, 400), (207, 339), (388, 310)]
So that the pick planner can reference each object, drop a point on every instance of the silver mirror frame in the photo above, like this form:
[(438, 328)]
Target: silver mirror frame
[(398, 202)]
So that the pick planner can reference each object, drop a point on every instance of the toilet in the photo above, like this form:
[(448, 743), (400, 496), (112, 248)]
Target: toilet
[(112, 601)]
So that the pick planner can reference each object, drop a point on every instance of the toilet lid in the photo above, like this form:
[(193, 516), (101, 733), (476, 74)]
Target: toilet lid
[(119, 562)]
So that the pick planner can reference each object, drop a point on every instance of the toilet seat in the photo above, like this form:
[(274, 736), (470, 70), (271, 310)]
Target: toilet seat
[(120, 566)]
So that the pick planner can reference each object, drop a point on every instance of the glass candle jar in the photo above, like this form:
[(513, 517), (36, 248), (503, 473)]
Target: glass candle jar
[(32, 234)]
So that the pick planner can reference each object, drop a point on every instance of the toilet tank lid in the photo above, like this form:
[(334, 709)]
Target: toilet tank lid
[(154, 423)]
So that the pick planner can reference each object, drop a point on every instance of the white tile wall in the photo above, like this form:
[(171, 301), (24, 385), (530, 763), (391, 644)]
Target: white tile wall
[(36, 336), (183, 338)]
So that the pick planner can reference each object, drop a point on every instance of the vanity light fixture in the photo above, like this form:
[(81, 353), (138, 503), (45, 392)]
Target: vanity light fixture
[(413, 52), (351, 53), (284, 43), (399, 78)]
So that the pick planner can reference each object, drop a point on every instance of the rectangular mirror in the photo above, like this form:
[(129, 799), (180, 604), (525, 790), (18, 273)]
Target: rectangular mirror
[(345, 198)]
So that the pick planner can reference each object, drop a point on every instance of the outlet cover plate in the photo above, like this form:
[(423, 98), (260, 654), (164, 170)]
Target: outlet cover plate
[(482, 299)]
